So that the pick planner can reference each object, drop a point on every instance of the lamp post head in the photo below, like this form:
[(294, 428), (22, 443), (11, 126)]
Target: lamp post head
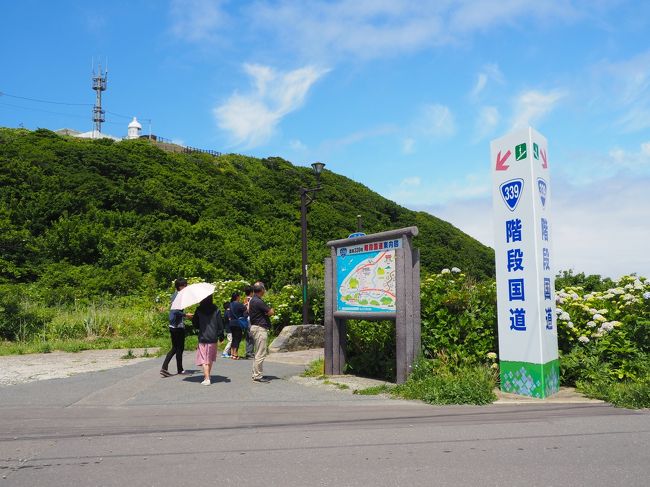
[(317, 167)]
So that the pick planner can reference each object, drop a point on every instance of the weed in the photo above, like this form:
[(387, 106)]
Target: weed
[(128, 355), (375, 390), (315, 369)]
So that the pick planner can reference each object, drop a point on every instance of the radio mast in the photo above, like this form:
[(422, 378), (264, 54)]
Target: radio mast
[(99, 85)]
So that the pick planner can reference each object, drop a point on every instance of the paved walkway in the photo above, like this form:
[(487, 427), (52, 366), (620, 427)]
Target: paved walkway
[(128, 426)]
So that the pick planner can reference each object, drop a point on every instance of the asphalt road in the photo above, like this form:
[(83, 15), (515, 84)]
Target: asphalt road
[(128, 427)]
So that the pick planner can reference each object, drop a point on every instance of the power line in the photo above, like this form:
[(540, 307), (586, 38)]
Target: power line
[(50, 111), (38, 100), (3, 93)]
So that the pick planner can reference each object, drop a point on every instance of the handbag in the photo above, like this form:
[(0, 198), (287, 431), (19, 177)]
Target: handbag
[(241, 320)]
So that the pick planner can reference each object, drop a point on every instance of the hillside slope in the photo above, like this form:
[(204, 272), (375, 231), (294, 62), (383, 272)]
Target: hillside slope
[(120, 217)]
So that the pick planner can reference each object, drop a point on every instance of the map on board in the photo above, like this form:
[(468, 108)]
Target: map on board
[(366, 281)]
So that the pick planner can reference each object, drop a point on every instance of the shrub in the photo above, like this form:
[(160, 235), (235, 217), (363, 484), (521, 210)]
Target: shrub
[(371, 349), (628, 394), (458, 316), (441, 382)]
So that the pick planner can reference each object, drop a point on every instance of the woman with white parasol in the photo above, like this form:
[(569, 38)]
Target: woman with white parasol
[(183, 297)]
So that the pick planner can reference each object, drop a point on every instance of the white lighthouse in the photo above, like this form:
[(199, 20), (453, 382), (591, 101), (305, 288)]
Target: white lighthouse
[(134, 129)]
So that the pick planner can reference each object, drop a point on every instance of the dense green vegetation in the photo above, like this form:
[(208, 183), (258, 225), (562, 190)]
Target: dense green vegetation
[(88, 218)]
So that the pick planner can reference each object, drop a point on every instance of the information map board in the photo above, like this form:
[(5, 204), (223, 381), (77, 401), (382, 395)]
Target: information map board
[(366, 277), (373, 277)]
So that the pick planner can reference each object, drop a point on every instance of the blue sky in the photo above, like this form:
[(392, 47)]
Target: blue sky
[(401, 96)]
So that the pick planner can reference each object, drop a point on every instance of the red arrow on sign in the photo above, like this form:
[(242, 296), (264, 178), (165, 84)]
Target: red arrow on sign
[(542, 153), (501, 163)]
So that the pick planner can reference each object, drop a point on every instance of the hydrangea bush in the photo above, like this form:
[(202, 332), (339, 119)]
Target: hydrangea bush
[(610, 328)]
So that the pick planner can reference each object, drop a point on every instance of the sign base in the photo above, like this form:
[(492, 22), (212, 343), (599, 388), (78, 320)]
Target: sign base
[(528, 379)]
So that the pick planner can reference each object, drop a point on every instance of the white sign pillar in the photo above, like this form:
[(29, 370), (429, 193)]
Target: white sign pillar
[(521, 197)]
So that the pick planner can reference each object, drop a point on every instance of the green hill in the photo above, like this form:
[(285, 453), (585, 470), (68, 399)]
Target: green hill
[(83, 218)]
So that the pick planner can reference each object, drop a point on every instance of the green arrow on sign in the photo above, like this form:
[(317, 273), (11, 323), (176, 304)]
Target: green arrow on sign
[(535, 151), (520, 152)]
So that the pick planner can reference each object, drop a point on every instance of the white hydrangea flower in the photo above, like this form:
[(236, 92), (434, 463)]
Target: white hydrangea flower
[(455, 270), (602, 311), (445, 271), (583, 339), (638, 285), (628, 297), (615, 323), (575, 296), (599, 317), (593, 311), (491, 355), (570, 324), (617, 290), (607, 326), (608, 296), (591, 324), (629, 286), (646, 295), (564, 316)]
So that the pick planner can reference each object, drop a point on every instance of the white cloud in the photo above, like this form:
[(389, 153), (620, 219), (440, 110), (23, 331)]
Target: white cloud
[(532, 106), (408, 145), (297, 145), (633, 160), (490, 72), (330, 29), (436, 121), (252, 118), (197, 20), (487, 121), (413, 192), (358, 136), (598, 228), (623, 87)]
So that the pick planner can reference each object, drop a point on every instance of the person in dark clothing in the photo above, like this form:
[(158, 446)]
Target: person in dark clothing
[(177, 333), (260, 314), (237, 313), (207, 320), (250, 341)]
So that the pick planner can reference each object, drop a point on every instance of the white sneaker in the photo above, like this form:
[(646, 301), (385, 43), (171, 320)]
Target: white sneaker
[(206, 382)]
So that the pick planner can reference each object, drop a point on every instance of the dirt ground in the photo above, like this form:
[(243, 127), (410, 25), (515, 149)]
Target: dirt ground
[(18, 369)]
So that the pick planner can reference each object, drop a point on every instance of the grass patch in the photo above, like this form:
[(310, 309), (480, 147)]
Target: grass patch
[(78, 345), (464, 385), (375, 390), (315, 369), (439, 382), (336, 384), (627, 394)]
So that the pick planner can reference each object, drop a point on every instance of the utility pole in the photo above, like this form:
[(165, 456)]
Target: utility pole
[(307, 197)]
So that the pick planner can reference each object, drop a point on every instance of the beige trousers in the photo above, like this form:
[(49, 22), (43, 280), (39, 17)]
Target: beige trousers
[(259, 334)]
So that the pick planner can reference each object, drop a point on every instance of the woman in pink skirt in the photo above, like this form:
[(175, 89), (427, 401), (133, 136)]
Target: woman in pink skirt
[(207, 319)]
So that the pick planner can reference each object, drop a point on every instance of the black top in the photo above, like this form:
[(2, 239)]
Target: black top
[(257, 310), (210, 325), (237, 310)]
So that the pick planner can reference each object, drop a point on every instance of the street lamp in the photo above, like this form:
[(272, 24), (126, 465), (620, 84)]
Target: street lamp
[(307, 197)]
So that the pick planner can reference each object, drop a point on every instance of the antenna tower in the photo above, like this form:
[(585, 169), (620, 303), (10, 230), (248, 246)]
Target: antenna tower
[(99, 85)]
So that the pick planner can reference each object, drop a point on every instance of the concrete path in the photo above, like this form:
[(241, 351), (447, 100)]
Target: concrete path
[(128, 426)]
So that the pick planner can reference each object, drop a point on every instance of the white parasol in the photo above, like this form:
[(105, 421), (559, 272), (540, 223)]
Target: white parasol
[(192, 294)]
